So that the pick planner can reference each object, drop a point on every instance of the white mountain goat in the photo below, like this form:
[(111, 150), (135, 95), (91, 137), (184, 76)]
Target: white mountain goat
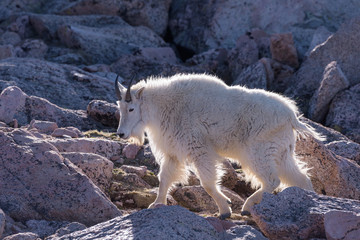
[(197, 120)]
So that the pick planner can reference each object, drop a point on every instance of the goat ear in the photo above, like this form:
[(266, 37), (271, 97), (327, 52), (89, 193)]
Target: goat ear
[(139, 92)]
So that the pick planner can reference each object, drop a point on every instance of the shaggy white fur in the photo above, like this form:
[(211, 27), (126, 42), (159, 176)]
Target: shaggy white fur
[(196, 120)]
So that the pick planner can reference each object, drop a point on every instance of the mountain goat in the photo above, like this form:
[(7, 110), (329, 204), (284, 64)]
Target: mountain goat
[(196, 120)]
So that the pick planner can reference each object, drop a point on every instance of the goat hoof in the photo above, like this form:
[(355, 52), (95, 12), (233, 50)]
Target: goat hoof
[(224, 216), (245, 213)]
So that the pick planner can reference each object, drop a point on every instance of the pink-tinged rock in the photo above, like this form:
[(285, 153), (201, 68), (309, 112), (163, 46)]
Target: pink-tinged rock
[(7, 51), (140, 171), (43, 126), (220, 225), (97, 168), (330, 174), (12, 100), (342, 225), (103, 147), (131, 150), (36, 182), (333, 81), (283, 49), (14, 104), (295, 213), (195, 198), (103, 112), (344, 113), (23, 236), (61, 132), (129, 182)]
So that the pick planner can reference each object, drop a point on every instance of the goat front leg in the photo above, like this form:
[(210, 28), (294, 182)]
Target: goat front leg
[(171, 170)]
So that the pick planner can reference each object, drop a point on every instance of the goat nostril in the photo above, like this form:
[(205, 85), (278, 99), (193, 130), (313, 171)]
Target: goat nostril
[(121, 135)]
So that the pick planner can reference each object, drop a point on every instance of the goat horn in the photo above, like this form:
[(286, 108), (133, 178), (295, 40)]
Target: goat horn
[(128, 95), (117, 90)]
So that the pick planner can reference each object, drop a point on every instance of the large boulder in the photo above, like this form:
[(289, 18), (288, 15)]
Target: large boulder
[(333, 81), (15, 104), (298, 214), (102, 147), (330, 174), (96, 167), (38, 183), (63, 85), (101, 39), (342, 225), (167, 222), (171, 222)]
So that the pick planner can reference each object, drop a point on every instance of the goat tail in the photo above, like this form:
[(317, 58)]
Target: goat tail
[(305, 130)]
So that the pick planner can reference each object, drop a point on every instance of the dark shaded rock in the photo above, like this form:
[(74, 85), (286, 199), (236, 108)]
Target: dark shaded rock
[(38, 183), (283, 49), (103, 112)]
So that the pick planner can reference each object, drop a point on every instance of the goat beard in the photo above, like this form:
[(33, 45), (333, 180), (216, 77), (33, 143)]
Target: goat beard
[(138, 134)]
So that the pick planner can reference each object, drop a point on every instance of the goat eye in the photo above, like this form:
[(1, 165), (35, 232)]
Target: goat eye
[(131, 109)]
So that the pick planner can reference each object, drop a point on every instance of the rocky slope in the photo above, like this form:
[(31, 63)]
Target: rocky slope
[(65, 175)]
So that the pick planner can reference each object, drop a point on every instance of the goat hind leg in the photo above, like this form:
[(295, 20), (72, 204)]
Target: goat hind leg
[(263, 166)]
